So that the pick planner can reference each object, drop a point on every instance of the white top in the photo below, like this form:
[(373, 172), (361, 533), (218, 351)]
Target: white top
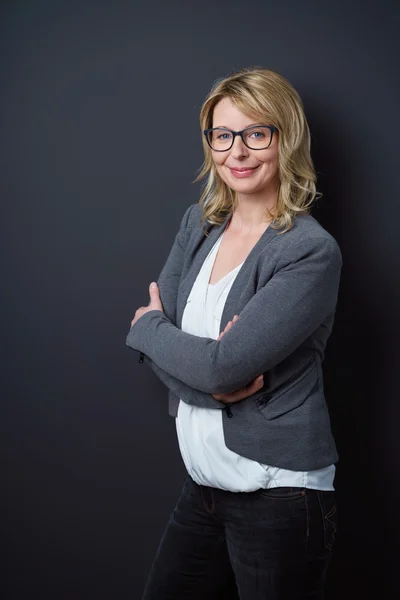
[(200, 431)]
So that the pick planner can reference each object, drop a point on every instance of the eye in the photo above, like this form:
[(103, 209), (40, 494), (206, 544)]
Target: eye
[(223, 136), (258, 135)]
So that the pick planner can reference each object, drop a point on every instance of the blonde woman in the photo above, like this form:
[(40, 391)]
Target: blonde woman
[(236, 328)]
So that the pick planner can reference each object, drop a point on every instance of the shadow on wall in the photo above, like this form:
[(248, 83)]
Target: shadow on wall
[(354, 364)]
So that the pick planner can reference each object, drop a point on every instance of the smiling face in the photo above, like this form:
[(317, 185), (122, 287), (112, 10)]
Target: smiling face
[(244, 170)]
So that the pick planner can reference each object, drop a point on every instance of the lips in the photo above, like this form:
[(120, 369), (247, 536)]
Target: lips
[(242, 171)]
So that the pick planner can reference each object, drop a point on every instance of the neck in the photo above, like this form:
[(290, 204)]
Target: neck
[(251, 212)]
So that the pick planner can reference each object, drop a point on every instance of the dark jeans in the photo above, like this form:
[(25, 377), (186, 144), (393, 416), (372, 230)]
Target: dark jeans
[(272, 544)]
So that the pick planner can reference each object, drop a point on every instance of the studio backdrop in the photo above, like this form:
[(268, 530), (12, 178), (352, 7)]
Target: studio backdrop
[(94, 183)]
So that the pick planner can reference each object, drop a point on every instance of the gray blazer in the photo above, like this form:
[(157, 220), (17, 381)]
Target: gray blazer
[(285, 294)]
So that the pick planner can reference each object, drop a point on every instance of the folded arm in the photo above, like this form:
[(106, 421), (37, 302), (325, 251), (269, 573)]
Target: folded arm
[(168, 282), (186, 393), (278, 319)]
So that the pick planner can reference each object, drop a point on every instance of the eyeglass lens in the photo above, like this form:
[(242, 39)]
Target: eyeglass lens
[(255, 138)]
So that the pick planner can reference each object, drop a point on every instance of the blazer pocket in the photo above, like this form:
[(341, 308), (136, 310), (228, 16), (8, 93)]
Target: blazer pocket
[(291, 395)]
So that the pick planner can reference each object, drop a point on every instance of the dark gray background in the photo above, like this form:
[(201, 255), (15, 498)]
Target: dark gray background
[(94, 182)]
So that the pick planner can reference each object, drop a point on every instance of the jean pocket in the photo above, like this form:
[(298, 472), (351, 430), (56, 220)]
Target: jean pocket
[(327, 502), (282, 493)]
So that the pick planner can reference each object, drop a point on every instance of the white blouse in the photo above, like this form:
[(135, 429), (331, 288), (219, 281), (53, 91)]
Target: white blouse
[(200, 431)]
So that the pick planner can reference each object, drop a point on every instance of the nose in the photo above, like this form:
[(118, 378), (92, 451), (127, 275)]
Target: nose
[(239, 149)]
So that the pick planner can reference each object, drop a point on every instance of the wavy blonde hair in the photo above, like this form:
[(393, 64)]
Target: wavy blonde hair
[(268, 96)]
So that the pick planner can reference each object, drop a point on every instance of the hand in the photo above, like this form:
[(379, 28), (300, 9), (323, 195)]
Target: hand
[(245, 391), (154, 304)]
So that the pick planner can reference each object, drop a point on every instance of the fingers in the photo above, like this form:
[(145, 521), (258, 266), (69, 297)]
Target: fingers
[(230, 323), (243, 393), (253, 386), (259, 382), (227, 327)]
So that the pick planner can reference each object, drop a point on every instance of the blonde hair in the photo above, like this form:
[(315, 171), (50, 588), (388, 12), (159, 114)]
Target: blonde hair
[(262, 93)]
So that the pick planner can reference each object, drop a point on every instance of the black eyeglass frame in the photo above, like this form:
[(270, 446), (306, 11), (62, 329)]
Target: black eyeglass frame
[(235, 133)]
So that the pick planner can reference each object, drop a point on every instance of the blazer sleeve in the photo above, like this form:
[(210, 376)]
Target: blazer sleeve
[(186, 393), (168, 282), (279, 318), (168, 279)]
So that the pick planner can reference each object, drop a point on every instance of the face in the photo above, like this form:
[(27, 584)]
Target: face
[(244, 170)]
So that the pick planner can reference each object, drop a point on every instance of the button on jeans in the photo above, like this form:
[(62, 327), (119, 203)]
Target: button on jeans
[(271, 544)]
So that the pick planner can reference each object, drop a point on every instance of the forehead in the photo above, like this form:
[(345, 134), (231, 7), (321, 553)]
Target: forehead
[(227, 114)]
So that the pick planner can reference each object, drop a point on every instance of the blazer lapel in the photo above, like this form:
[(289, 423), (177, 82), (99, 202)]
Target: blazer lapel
[(201, 246), (234, 303)]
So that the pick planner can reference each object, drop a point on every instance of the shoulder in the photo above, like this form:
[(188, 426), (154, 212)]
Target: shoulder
[(306, 237), (193, 215), (190, 218), (308, 226), (307, 234)]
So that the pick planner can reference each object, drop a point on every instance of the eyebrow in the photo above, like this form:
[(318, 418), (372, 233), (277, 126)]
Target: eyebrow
[(252, 125)]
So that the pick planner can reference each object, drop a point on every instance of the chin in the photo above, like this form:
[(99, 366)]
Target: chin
[(244, 189), (245, 185)]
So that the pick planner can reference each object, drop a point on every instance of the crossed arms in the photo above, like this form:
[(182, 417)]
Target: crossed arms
[(278, 318)]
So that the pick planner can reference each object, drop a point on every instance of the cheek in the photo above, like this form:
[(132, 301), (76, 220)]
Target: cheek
[(223, 173), (270, 158), (271, 165), (275, 155), (219, 161), (219, 158)]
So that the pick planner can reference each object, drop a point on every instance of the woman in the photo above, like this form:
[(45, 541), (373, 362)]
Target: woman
[(236, 328)]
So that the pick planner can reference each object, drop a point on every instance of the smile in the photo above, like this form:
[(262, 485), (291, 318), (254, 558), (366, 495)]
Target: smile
[(243, 171)]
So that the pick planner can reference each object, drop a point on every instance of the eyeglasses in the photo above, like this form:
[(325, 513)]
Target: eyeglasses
[(256, 137)]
